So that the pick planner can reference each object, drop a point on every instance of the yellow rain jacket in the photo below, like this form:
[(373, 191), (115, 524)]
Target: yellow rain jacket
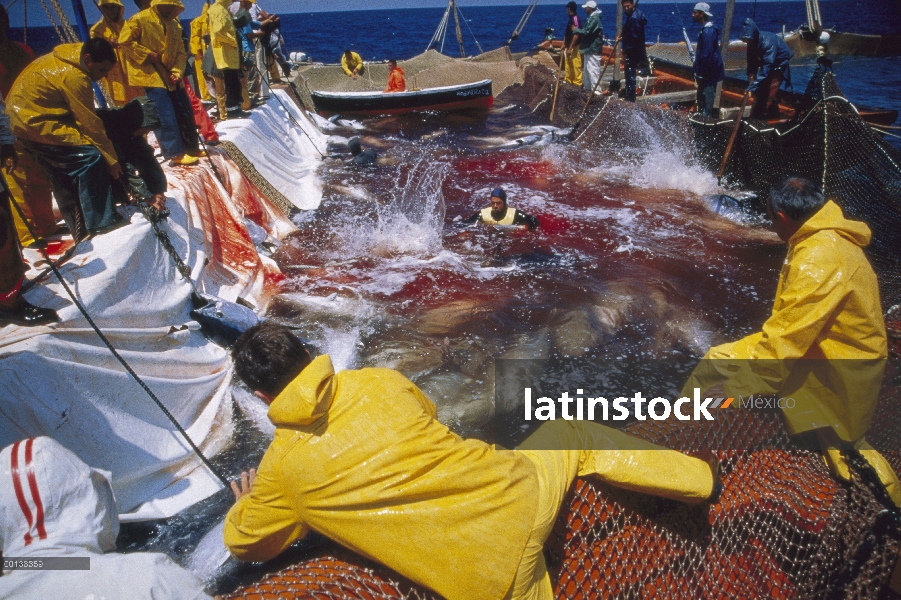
[(200, 27), (360, 457), (349, 65), (827, 307), (116, 81), (148, 32), (52, 102), (223, 37)]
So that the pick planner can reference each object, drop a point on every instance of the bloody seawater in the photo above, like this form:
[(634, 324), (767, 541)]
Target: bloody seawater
[(630, 261)]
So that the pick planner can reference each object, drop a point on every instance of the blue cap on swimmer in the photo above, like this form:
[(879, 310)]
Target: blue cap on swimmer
[(499, 193)]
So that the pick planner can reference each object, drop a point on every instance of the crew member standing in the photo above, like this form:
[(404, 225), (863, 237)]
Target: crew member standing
[(396, 81), (768, 59), (591, 42), (226, 67), (709, 69), (108, 28), (573, 64), (635, 52), (155, 57), (200, 39)]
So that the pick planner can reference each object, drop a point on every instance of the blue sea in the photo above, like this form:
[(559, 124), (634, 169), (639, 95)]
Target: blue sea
[(403, 33)]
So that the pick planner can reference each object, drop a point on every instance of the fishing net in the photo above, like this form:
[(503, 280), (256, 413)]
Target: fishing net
[(783, 528), (828, 142)]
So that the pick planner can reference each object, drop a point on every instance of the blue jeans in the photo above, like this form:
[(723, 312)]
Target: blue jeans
[(178, 132), (81, 183)]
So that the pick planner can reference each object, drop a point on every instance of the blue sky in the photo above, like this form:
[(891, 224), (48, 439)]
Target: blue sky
[(37, 17)]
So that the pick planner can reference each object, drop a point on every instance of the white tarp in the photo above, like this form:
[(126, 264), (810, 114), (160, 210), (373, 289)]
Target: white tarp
[(61, 381), (285, 152)]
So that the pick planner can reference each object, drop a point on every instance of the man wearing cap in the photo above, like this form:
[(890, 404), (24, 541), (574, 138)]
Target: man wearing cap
[(591, 40), (709, 69), (635, 51), (498, 213), (768, 59)]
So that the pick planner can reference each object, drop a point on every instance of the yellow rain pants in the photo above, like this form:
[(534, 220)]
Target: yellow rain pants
[(574, 67), (200, 28)]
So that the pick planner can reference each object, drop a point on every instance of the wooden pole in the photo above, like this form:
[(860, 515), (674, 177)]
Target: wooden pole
[(459, 33), (596, 84), (557, 85), (619, 31), (724, 45), (730, 145)]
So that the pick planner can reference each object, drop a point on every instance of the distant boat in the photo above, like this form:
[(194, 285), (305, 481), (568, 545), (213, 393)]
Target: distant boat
[(448, 98)]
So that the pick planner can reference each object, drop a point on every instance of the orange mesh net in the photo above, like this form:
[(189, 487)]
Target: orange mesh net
[(783, 528)]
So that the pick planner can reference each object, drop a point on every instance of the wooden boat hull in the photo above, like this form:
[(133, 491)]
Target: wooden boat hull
[(455, 97), (673, 77)]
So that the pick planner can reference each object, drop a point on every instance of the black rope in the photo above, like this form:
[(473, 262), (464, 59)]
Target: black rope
[(290, 116), (127, 367)]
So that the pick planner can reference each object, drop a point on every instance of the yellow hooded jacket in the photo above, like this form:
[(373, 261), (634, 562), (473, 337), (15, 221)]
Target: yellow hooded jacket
[(827, 307), (148, 32), (52, 102), (349, 65), (200, 27), (360, 457), (116, 80), (223, 37)]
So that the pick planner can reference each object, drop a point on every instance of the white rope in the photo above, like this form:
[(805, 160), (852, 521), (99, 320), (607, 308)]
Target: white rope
[(479, 46), (594, 119)]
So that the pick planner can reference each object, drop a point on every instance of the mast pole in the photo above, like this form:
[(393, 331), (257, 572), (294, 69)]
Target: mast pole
[(724, 45), (459, 33)]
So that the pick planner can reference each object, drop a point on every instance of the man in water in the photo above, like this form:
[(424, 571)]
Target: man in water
[(768, 59), (635, 51), (709, 69), (591, 41), (498, 213), (361, 158), (824, 345), (396, 81), (352, 63), (361, 457)]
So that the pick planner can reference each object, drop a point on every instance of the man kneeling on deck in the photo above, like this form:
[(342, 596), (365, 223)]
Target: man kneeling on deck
[(498, 213), (821, 353), (360, 457)]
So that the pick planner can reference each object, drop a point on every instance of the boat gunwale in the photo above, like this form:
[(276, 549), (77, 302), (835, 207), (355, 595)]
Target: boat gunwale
[(403, 94)]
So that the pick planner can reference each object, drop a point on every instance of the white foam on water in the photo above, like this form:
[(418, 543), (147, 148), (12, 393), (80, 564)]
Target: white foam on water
[(664, 170), (209, 555), (342, 346), (254, 410)]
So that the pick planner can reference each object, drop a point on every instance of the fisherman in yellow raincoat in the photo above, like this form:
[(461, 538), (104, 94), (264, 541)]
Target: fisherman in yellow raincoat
[(360, 457), (227, 58), (109, 27), (51, 113), (822, 351), (155, 58), (200, 36)]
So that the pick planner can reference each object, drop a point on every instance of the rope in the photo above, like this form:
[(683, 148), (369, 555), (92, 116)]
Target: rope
[(258, 180), (25, 22), (118, 357), (479, 46), (290, 116)]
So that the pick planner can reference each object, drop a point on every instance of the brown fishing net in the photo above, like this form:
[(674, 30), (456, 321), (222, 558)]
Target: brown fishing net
[(828, 142), (783, 528)]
